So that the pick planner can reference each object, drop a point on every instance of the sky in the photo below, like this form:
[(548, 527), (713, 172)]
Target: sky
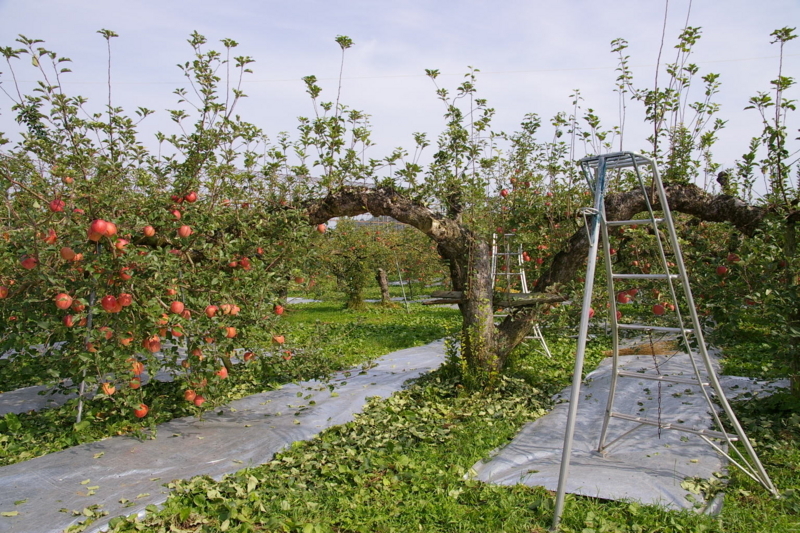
[(532, 55)]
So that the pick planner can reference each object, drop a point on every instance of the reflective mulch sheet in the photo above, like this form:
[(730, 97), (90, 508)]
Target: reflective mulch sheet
[(247, 432), (643, 465)]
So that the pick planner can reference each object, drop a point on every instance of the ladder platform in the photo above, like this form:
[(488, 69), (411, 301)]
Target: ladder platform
[(657, 377), (644, 276), (709, 433), (634, 222), (644, 327), (616, 160)]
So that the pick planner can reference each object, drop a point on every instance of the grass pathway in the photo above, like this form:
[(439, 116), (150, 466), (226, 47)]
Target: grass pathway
[(123, 475)]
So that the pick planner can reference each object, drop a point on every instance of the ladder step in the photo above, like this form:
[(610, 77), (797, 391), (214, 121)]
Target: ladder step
[(656, 377), (679, 427), (507, 253), (644, 276), (654, 328), (633, 222)]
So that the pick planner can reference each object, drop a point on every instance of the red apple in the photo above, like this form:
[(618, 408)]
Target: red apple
[(189, 395), (67, 254), (108, 303), (222, 373), (722, 270), (135, 383), (184, 231), (57, 205), (124, 299), (68, 321), (278, 339), (176, 214), (108, 389), (29, 262), (98, 226), (141, 412), (63, 300), (249, 356), (504, 193), (733, 258), (211, 310), (149, 231), (591, 312), (137, 368), (51, 236), (623, 298), (191, 197), (278, 309), (176, 307), (199, 400), (123, 273), (111, 229), (321, 228), (153, 344), (230, 332), (120, 244), (659, 309)]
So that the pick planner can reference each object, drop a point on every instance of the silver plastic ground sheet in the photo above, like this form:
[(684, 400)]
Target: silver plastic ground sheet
[(643, 465), (248, 432)]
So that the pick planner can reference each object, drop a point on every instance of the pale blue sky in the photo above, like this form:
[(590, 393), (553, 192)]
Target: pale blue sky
[(531, 54)]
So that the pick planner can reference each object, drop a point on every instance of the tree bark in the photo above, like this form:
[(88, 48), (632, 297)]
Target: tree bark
[(383, 283), (485, 347)]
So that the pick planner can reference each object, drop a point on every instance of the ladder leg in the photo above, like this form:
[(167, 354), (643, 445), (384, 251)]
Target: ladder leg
[(612, 306)]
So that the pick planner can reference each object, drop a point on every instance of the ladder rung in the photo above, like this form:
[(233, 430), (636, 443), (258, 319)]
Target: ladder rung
[(654, 328), (656, 377), (633, 222), (679, 427), (644, 276), (507, 253), (509, 273)]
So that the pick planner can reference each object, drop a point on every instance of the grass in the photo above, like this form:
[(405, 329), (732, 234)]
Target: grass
[(403, 465), (324, 337)]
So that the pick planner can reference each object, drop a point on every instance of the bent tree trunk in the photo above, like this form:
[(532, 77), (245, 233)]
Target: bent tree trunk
[(485, 347)]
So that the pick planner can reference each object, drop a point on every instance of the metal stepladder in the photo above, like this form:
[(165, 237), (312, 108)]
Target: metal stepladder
[(511, 267), (674, 276)]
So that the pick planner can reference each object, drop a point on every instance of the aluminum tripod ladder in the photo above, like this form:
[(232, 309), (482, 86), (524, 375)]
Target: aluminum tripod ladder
[(511, 267), (672, 274)]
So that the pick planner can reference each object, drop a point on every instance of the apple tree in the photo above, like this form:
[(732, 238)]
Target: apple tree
[(116, 260)]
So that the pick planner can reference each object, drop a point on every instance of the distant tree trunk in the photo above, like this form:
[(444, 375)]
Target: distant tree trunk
[(383, 283), (485, 347)]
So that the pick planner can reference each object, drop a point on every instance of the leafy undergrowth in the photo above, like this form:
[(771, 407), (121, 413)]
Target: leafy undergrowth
[(322, 340), (403, 465)]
